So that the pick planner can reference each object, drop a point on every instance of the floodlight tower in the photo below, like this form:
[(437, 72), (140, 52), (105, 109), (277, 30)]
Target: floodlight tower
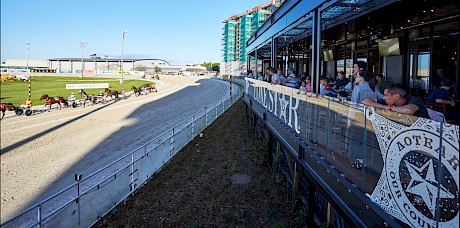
[(122, 45), (82, 46)]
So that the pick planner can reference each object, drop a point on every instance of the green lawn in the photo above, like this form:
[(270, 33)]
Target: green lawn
[(17, 92)]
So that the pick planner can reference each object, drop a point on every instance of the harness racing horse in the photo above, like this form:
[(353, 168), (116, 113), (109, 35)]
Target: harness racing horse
[(8, 107), (136, 91), (150, 88), (86, 97), (147, 89), (51, 100), (111, 93)]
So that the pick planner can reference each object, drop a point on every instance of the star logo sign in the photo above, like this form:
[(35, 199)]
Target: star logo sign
[(283, 104), (426, 187)]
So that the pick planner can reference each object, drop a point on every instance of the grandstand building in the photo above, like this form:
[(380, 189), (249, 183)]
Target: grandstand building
[(93, 65), (236, 32), (21, 65), (102, 65), (410, 43)]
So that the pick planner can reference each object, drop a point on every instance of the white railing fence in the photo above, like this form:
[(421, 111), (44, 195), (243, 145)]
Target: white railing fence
[(87, 200)]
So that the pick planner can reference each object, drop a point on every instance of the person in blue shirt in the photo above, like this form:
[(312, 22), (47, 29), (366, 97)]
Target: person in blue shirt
[(365, 88), (441, 95), (260, 76), (327, 88)]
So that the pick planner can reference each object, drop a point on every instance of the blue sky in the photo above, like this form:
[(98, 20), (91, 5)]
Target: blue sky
[(179, 31)]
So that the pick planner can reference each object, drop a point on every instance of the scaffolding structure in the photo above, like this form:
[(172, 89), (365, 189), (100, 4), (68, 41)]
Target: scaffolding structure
[(237, 30), (258, 19), (229, 40), (244, 35)]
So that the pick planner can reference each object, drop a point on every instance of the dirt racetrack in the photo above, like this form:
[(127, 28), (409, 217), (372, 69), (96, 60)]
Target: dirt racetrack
[(40, 154)]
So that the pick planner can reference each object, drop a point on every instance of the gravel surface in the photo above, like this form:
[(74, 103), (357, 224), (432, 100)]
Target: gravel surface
[(40, 154)]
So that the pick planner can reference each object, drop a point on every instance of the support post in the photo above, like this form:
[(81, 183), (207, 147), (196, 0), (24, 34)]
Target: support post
[(231, 85)]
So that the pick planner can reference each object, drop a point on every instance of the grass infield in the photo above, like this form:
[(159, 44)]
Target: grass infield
[(16, 91)]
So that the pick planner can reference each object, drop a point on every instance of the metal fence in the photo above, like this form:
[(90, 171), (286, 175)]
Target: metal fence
[(82, 204)]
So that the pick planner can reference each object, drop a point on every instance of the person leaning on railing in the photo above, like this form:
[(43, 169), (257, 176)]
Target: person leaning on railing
[(395, 99)]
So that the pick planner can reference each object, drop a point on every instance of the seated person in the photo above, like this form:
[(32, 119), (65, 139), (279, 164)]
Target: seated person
[(101, 94), (327, 88), (260, 77), (303, 88), (308, 84), (395, 99), (274, 76), (341, 81), (281, 77), (27, 103), (441, 95), (72, 97), (381, 84), (250, 75), (291, 79), (437, 79)]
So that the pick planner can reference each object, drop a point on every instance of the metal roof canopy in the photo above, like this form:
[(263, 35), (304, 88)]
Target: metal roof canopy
[(332, 13), (101, 59)]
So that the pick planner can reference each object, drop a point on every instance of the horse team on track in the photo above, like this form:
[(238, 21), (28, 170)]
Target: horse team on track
[(60, 101)]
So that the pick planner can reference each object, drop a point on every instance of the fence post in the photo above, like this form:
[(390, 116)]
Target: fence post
[(171, 144), (40, 216), (311, 204), (223, 105), (193, 125), (132, 172), (206, 115), (230, 85), (78, 179)]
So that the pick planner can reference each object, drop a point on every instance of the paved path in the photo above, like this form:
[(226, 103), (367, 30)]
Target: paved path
[(41, 153)]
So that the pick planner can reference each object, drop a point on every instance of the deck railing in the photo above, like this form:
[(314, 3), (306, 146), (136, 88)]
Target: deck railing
[(403, 165)]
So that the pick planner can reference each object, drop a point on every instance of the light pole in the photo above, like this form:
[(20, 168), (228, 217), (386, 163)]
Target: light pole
[(121, 64), (82, 46), (30, 85)]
